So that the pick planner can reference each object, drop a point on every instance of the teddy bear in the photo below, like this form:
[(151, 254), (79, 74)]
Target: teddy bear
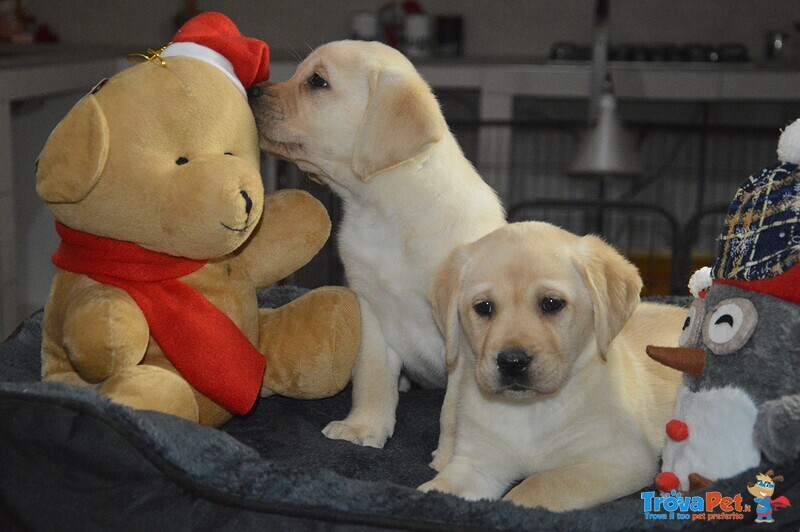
[(153, 180), (740, 343)]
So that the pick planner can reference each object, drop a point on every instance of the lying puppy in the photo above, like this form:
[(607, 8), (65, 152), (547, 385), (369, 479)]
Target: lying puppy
[(552, 384), (358, 117)]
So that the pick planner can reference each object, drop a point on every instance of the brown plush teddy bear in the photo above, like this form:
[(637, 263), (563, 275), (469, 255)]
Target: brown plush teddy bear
[(154, 181)]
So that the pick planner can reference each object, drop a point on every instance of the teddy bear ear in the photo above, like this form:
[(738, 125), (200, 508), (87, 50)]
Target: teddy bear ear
[(74, 155)]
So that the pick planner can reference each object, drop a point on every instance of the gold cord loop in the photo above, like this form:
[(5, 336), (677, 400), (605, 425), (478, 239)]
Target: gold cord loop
[(149, 56)]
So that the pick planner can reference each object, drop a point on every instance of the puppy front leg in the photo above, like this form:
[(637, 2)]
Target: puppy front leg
[(461, 478), (448, 418), (574, 487), (375, 376)]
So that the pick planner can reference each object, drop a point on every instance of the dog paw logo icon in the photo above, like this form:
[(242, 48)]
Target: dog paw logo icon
[(762, 491)]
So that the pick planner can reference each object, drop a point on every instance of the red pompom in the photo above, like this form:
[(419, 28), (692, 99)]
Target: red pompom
[(667, 481), (677, 430)]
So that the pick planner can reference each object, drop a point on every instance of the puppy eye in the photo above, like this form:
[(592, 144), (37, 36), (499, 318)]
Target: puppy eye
[(228, 153), (551, 305), (317, 82), (484, 308), (181, 160)]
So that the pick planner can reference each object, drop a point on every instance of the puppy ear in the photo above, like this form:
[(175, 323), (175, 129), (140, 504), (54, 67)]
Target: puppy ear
[(614, 284), (401, 120), (74, 155), (443, 295)]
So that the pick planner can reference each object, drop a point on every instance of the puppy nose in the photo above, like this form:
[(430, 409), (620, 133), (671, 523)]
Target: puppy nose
[(248, 203), (513, 362), (256, 91)]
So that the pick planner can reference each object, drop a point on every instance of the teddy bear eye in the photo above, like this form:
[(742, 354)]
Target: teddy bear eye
[(181, 160)]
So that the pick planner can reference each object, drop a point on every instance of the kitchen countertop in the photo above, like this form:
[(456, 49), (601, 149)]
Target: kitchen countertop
[(38, 54), (518, 75)]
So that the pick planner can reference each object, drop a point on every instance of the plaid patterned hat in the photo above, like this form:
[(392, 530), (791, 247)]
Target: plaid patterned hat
[(759, 247)]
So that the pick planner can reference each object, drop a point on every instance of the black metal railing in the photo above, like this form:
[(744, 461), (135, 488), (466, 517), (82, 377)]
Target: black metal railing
[(666, 221)]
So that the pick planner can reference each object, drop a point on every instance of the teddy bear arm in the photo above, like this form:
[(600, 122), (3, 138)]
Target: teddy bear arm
[(310, 343), (104, 332), (777, 429), (292, 230)]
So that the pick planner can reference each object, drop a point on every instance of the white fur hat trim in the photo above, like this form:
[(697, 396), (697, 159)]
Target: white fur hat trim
[(204, 53)]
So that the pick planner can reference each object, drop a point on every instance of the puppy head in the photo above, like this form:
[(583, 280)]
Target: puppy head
[(351, 110), (527, 300)]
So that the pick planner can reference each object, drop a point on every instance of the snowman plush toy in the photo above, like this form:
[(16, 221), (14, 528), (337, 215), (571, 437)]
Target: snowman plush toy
[(740, 345)]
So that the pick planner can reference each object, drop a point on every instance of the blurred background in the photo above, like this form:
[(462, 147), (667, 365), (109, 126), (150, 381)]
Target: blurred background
[(633, 119)]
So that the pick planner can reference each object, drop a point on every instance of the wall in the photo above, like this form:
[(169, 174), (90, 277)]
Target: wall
[(497, 28), (33, 120), (492, 27)]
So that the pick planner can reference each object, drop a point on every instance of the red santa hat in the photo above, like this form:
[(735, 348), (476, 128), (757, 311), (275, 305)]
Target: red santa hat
[(215, 39)]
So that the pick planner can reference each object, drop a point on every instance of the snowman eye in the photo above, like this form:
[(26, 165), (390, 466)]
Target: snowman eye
[(725, 318), (690, 334), (730, 325)]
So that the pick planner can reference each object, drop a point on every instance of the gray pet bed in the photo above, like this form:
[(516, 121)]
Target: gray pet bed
[(72, 460)]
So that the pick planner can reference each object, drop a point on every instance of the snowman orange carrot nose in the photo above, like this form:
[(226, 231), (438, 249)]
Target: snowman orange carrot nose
[(691, 360)]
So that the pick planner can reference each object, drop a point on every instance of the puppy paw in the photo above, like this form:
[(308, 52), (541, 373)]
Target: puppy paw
[(440, 459), (437, 484), (363, 434), (403, 384)]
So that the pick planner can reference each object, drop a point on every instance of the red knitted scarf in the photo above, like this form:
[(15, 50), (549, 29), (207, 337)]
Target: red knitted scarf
[(203, 344)]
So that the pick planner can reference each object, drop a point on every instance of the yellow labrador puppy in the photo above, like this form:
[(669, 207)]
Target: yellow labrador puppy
[(358, 117), (552, 385)]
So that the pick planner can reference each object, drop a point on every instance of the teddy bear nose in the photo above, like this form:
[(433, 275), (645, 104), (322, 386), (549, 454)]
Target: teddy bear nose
[(248, 203)]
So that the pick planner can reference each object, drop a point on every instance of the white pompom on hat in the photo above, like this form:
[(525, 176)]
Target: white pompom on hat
[(789, 144), (700, 282)]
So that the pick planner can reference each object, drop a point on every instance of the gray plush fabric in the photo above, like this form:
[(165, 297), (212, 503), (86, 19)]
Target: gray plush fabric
[(71, 459), (777, 429)]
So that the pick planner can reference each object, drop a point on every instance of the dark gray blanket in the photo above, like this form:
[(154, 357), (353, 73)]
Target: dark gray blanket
[(70, 459)]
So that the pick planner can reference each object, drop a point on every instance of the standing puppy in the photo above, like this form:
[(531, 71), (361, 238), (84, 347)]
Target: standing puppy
[(358, 117), (553, 386)]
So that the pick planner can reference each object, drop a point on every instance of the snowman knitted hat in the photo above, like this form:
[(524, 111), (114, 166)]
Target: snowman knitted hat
[(759, 248), (215, 39)]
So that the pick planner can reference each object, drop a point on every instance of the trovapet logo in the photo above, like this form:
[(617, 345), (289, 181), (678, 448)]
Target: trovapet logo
[(713, 506), (710, 506)]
